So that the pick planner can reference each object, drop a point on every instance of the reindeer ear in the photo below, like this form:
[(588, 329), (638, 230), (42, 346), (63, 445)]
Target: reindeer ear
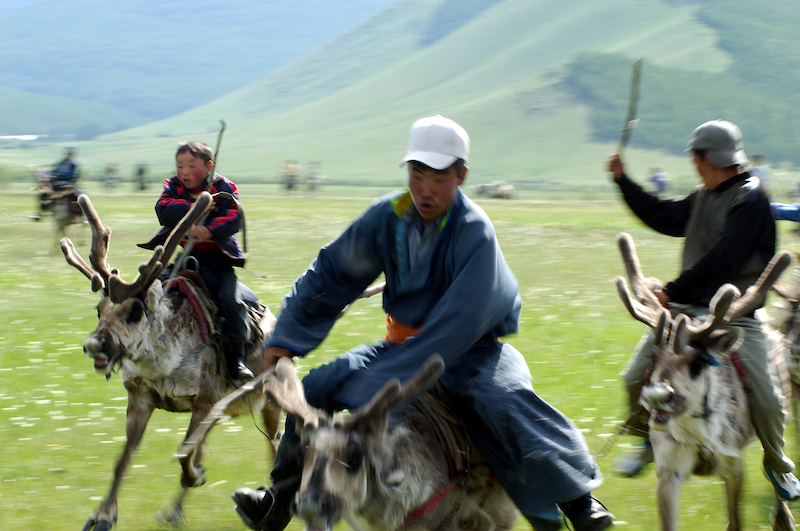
[(680, 334), (152, 296), (661, 330), (370, 419), (728, 339)]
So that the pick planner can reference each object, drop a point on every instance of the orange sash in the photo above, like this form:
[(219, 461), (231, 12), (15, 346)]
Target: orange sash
[(397, 332)]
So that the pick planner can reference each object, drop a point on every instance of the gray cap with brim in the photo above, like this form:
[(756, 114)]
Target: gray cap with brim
[(722, 141)]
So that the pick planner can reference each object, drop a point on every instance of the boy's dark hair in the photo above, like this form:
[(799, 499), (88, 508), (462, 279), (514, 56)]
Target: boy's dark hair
[(458, 165), (197, 149)]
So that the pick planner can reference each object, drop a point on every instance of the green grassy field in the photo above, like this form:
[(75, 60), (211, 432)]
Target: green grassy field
[(62, 427)]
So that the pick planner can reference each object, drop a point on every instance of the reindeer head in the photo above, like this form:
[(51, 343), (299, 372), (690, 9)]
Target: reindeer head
[(123, 306), (678, 381), (344, 456)]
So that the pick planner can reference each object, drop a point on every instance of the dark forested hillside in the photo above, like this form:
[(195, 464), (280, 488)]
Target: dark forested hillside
[(758, 90)]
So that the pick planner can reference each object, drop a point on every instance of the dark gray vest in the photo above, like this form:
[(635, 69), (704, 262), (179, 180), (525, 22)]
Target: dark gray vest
[(709, 214)]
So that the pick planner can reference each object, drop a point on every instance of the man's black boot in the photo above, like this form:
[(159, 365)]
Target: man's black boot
[(587, 513), (264, 508), (271, 509)]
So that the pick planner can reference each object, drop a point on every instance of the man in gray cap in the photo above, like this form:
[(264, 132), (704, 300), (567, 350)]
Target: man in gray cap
[(448, 290), (729, 238)]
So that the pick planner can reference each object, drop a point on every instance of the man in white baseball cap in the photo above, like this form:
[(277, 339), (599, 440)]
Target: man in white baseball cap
[(729, 238), (437, 142), (449, 291)]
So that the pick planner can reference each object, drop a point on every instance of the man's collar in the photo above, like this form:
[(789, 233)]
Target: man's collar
[(403, 206), (727, 184)]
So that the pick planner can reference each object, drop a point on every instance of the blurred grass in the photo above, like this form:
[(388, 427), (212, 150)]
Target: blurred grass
[(62, 427)]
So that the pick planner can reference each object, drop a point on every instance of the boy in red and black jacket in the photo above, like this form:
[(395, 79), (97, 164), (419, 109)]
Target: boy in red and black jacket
[(216, 249)]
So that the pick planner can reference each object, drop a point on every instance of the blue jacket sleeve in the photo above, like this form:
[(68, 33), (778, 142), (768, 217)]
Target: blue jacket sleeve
[(339, 274), (786, 212), (171, 205), (224, 219)]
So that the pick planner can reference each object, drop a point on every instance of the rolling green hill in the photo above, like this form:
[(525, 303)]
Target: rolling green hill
[(509, 71), (59, 116), (150, 58)]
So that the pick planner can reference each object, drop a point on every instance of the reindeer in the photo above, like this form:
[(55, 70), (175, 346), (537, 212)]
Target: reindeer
[(785, 317), (61, 203), (386, 470), (699, 418), (165, 342)]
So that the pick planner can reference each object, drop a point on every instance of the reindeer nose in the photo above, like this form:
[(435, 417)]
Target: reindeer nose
[(96, 344), (315, 505), (657, 395)]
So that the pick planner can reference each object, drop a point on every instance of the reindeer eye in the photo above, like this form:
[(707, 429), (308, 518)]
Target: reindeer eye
[(698, 363), (353, 457), (137, 311)]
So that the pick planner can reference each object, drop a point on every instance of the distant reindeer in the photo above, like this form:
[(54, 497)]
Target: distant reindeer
[(165, 341), (699, 417), (60, 203), (386, 466)]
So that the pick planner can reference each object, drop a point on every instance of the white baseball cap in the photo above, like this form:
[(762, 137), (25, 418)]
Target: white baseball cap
[(723, 142), (436, 142)]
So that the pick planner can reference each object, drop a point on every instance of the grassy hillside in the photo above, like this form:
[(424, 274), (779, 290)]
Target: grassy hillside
[(756, 89), (150, 57), (24, 113), (506, 71)]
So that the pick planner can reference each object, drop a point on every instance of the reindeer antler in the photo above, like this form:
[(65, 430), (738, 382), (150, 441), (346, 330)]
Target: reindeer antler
[(285, 390), (649, 310), (727, 306), (108, 279), (98, 273), (119, 290), (656, 318), (392, 393)]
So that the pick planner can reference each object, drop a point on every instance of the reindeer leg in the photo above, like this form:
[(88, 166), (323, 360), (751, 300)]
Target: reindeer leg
[(138, 414), (781, 517), (733, 476), (271, 416), (193, 473), (794, 399), (674, 465)]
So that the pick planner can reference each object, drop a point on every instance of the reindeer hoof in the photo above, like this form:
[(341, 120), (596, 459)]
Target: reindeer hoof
[(173, 516), (98, 525), (199, 478)]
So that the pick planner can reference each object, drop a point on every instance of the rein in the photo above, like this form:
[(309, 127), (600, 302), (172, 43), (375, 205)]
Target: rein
[(435, 501)]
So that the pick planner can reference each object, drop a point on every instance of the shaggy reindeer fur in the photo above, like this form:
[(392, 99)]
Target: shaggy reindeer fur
[(785, 317), (374, 469), (699, 417), (165, 361)]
